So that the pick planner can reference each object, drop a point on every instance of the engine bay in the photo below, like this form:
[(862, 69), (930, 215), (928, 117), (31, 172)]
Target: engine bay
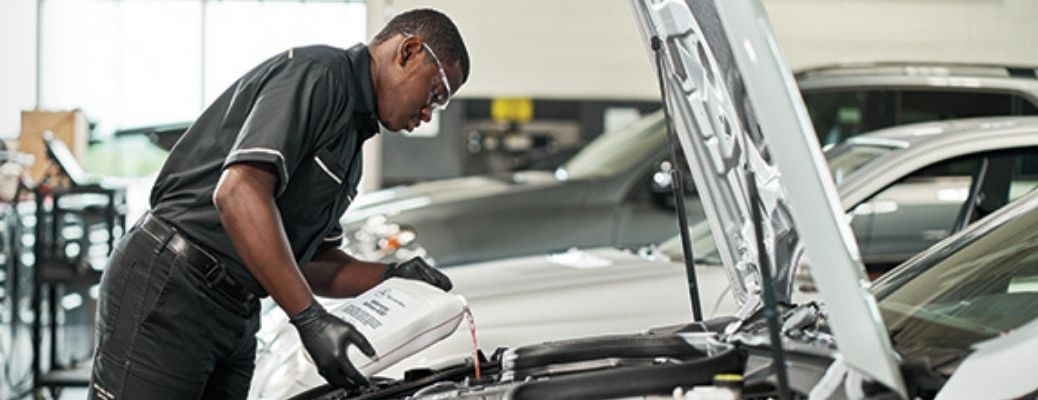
[(660, 363)]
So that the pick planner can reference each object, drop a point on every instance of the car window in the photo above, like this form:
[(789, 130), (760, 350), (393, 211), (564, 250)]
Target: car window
[(912, 214), (1025, 176), (841, 114), (1026, 107), (922, 106), (616, 151), (927, 205), (986, 289)]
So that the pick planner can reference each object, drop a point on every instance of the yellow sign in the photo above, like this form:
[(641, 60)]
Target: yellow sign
[(511, 109)]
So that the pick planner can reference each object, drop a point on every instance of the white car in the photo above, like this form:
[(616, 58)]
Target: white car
[(903, 187)]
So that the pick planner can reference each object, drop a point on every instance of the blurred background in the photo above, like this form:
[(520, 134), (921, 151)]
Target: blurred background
[(130, 64), (118, 80)]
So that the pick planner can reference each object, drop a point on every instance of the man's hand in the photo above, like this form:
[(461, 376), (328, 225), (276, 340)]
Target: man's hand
[(326, 338), (417, 269)]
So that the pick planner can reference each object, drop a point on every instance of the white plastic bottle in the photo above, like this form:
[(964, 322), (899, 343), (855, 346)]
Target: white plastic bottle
[(400, 317)]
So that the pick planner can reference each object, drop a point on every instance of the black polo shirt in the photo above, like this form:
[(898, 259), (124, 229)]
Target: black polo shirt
[(306, 111)]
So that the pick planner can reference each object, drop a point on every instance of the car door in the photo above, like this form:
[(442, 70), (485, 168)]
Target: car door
[(935, 201)]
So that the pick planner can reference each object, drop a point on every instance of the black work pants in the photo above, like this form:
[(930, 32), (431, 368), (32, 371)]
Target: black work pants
[(162, 333)]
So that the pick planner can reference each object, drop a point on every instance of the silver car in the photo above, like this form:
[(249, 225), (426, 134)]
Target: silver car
[(915, 191)]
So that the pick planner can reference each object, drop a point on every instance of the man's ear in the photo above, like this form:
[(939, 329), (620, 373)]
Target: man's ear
[(408, 50)]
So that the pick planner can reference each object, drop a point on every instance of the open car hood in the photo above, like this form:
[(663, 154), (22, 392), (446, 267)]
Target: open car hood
[(735, 109)]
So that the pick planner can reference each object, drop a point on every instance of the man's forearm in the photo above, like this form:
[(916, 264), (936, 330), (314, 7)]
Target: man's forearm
[(333, 273), (244, 198)]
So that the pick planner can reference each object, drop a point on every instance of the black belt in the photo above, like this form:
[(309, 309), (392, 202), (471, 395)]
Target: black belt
[(213, 271)]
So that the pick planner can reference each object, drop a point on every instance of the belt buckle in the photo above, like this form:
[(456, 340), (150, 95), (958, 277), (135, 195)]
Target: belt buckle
[(216, 274)]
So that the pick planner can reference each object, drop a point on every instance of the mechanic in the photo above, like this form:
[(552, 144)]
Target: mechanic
[(251, 193)]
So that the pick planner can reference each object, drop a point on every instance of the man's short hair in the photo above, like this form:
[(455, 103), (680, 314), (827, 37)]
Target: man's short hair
[(436, 29)]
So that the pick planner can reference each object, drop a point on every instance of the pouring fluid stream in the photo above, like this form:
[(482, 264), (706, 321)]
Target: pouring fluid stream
[(475, 342)]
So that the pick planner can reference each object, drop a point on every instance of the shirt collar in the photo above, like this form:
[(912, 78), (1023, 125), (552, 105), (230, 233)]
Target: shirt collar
[(365, 109)]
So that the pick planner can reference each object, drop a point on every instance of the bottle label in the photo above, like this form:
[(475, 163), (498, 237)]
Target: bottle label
[(377, 308)]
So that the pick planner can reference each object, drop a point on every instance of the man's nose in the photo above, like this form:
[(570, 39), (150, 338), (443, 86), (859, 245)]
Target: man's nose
[(426, 114)]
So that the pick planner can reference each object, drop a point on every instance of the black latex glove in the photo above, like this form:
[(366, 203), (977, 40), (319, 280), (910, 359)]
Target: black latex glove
[(327, 337), (417, 269)]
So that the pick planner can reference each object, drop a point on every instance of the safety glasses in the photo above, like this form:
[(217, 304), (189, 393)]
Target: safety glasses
[(437, 100)]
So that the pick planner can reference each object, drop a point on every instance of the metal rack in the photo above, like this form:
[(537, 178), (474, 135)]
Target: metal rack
[(75, 224)]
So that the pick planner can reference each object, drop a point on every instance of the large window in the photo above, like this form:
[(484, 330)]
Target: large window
[(124, 63), (145, 62), (241, 34), (18, 80)]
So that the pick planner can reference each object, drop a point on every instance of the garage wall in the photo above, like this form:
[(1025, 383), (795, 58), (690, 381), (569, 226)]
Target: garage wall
[(546, 48), (814, 32), (590, 48)]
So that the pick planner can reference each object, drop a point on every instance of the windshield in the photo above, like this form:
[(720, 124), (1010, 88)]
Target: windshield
[(617, 150), (982, 290), (845, 159), (703, 248)]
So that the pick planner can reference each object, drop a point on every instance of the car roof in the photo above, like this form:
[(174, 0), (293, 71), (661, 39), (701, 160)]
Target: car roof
[(932, 75), (949, 130), (908, 68)]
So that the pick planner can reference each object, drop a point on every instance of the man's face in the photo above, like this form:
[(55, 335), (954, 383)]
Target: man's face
[(417, 86)]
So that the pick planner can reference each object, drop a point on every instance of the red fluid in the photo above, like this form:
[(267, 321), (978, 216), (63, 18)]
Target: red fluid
[(475, 342)]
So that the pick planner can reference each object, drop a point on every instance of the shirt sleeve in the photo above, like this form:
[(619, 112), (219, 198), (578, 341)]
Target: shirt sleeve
[(291, 109), (335, 237)]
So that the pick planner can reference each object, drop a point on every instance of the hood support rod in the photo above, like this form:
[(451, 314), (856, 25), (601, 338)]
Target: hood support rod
[(770, 310), (676, 185)]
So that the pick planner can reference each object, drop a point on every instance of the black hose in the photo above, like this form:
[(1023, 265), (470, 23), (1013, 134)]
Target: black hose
[(634, 381)]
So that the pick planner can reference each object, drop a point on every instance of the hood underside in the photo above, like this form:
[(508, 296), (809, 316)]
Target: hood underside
[(753, 153)]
